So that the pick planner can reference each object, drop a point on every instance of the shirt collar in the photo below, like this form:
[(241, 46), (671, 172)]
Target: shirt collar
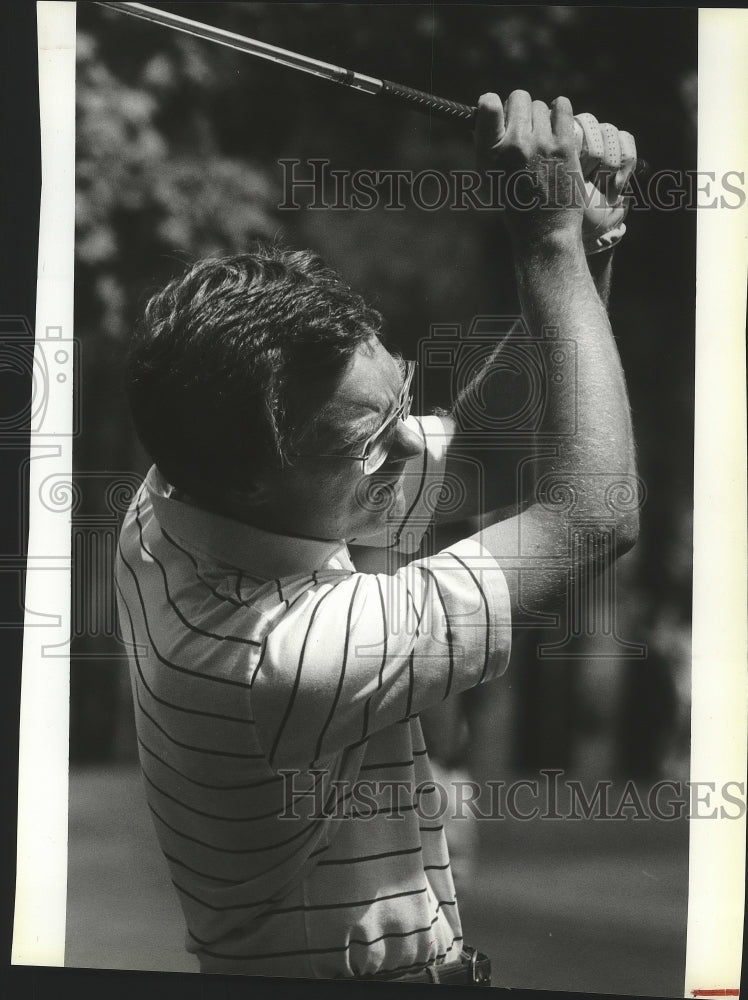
[(258, 552)]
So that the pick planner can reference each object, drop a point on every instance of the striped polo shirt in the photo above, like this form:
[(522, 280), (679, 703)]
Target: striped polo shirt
[(277, 693)]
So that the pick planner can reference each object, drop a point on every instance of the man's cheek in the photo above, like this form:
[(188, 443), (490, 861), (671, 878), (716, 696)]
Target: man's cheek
[(376, 497), (391, 503)]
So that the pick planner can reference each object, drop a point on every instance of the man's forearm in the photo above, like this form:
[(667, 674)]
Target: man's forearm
[(495, 395), (601, 269), (557, 291), (584, 443)]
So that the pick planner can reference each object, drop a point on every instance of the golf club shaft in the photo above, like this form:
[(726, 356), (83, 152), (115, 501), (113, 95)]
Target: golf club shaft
[(397, 93), (426, 103)]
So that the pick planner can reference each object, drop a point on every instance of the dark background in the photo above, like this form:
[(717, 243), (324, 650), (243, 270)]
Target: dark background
[(20, 182), (178, 143)]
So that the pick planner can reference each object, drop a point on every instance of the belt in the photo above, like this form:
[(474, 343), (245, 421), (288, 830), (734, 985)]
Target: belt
[(472, 968)]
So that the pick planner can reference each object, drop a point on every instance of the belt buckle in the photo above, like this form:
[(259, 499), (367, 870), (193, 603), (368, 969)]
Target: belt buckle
[(474, 966), (477, 976)]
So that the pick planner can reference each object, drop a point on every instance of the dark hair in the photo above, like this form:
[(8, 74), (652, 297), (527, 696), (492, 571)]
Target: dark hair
[(221, 359)]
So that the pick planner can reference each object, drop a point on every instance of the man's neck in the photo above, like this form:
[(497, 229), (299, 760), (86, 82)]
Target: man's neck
[(256, 516)]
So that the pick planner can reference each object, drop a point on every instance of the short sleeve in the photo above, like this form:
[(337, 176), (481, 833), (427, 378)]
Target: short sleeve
[(422, 483), (361, 652)]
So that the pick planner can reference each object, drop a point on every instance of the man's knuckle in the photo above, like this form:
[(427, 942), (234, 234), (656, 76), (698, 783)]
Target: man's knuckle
[(558, 149), (524, 149), (488, 100)]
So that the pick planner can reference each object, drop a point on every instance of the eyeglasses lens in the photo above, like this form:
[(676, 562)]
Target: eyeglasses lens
[(380, 446)]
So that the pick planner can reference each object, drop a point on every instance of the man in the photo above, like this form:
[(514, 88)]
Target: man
[(277, 687)]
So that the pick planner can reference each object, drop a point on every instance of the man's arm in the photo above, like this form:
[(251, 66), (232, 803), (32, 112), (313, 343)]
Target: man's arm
[(488, 468), (584, 435), (601, 270)]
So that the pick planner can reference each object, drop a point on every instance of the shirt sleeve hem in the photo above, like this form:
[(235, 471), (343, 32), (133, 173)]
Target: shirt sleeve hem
[(490, 577)]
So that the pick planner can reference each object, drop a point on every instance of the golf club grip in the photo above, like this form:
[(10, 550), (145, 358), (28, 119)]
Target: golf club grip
[(430, 104)]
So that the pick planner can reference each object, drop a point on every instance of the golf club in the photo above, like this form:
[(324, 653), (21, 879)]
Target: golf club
[(398, 93)]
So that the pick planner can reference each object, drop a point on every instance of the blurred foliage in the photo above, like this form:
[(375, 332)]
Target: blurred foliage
[(178, 143)]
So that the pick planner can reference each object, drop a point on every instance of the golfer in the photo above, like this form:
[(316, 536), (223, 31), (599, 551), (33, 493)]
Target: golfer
[(277, 687)]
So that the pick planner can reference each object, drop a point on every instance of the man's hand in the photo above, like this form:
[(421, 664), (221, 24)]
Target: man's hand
[(607, 162), (527, 138), (534, 147)]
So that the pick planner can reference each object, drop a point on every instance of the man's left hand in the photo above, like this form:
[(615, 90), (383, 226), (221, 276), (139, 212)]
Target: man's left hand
[(607, 164)]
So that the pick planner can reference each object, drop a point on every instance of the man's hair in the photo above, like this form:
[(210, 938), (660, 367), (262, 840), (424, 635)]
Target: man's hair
[(220, 362)]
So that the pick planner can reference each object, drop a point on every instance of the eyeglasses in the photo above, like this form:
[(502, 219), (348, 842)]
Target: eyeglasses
[(378, 446)]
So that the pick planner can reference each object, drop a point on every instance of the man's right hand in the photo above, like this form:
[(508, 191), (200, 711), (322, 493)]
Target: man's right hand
[(535, 149)]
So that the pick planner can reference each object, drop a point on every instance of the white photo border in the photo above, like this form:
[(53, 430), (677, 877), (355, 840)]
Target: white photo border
[(720, 638)]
